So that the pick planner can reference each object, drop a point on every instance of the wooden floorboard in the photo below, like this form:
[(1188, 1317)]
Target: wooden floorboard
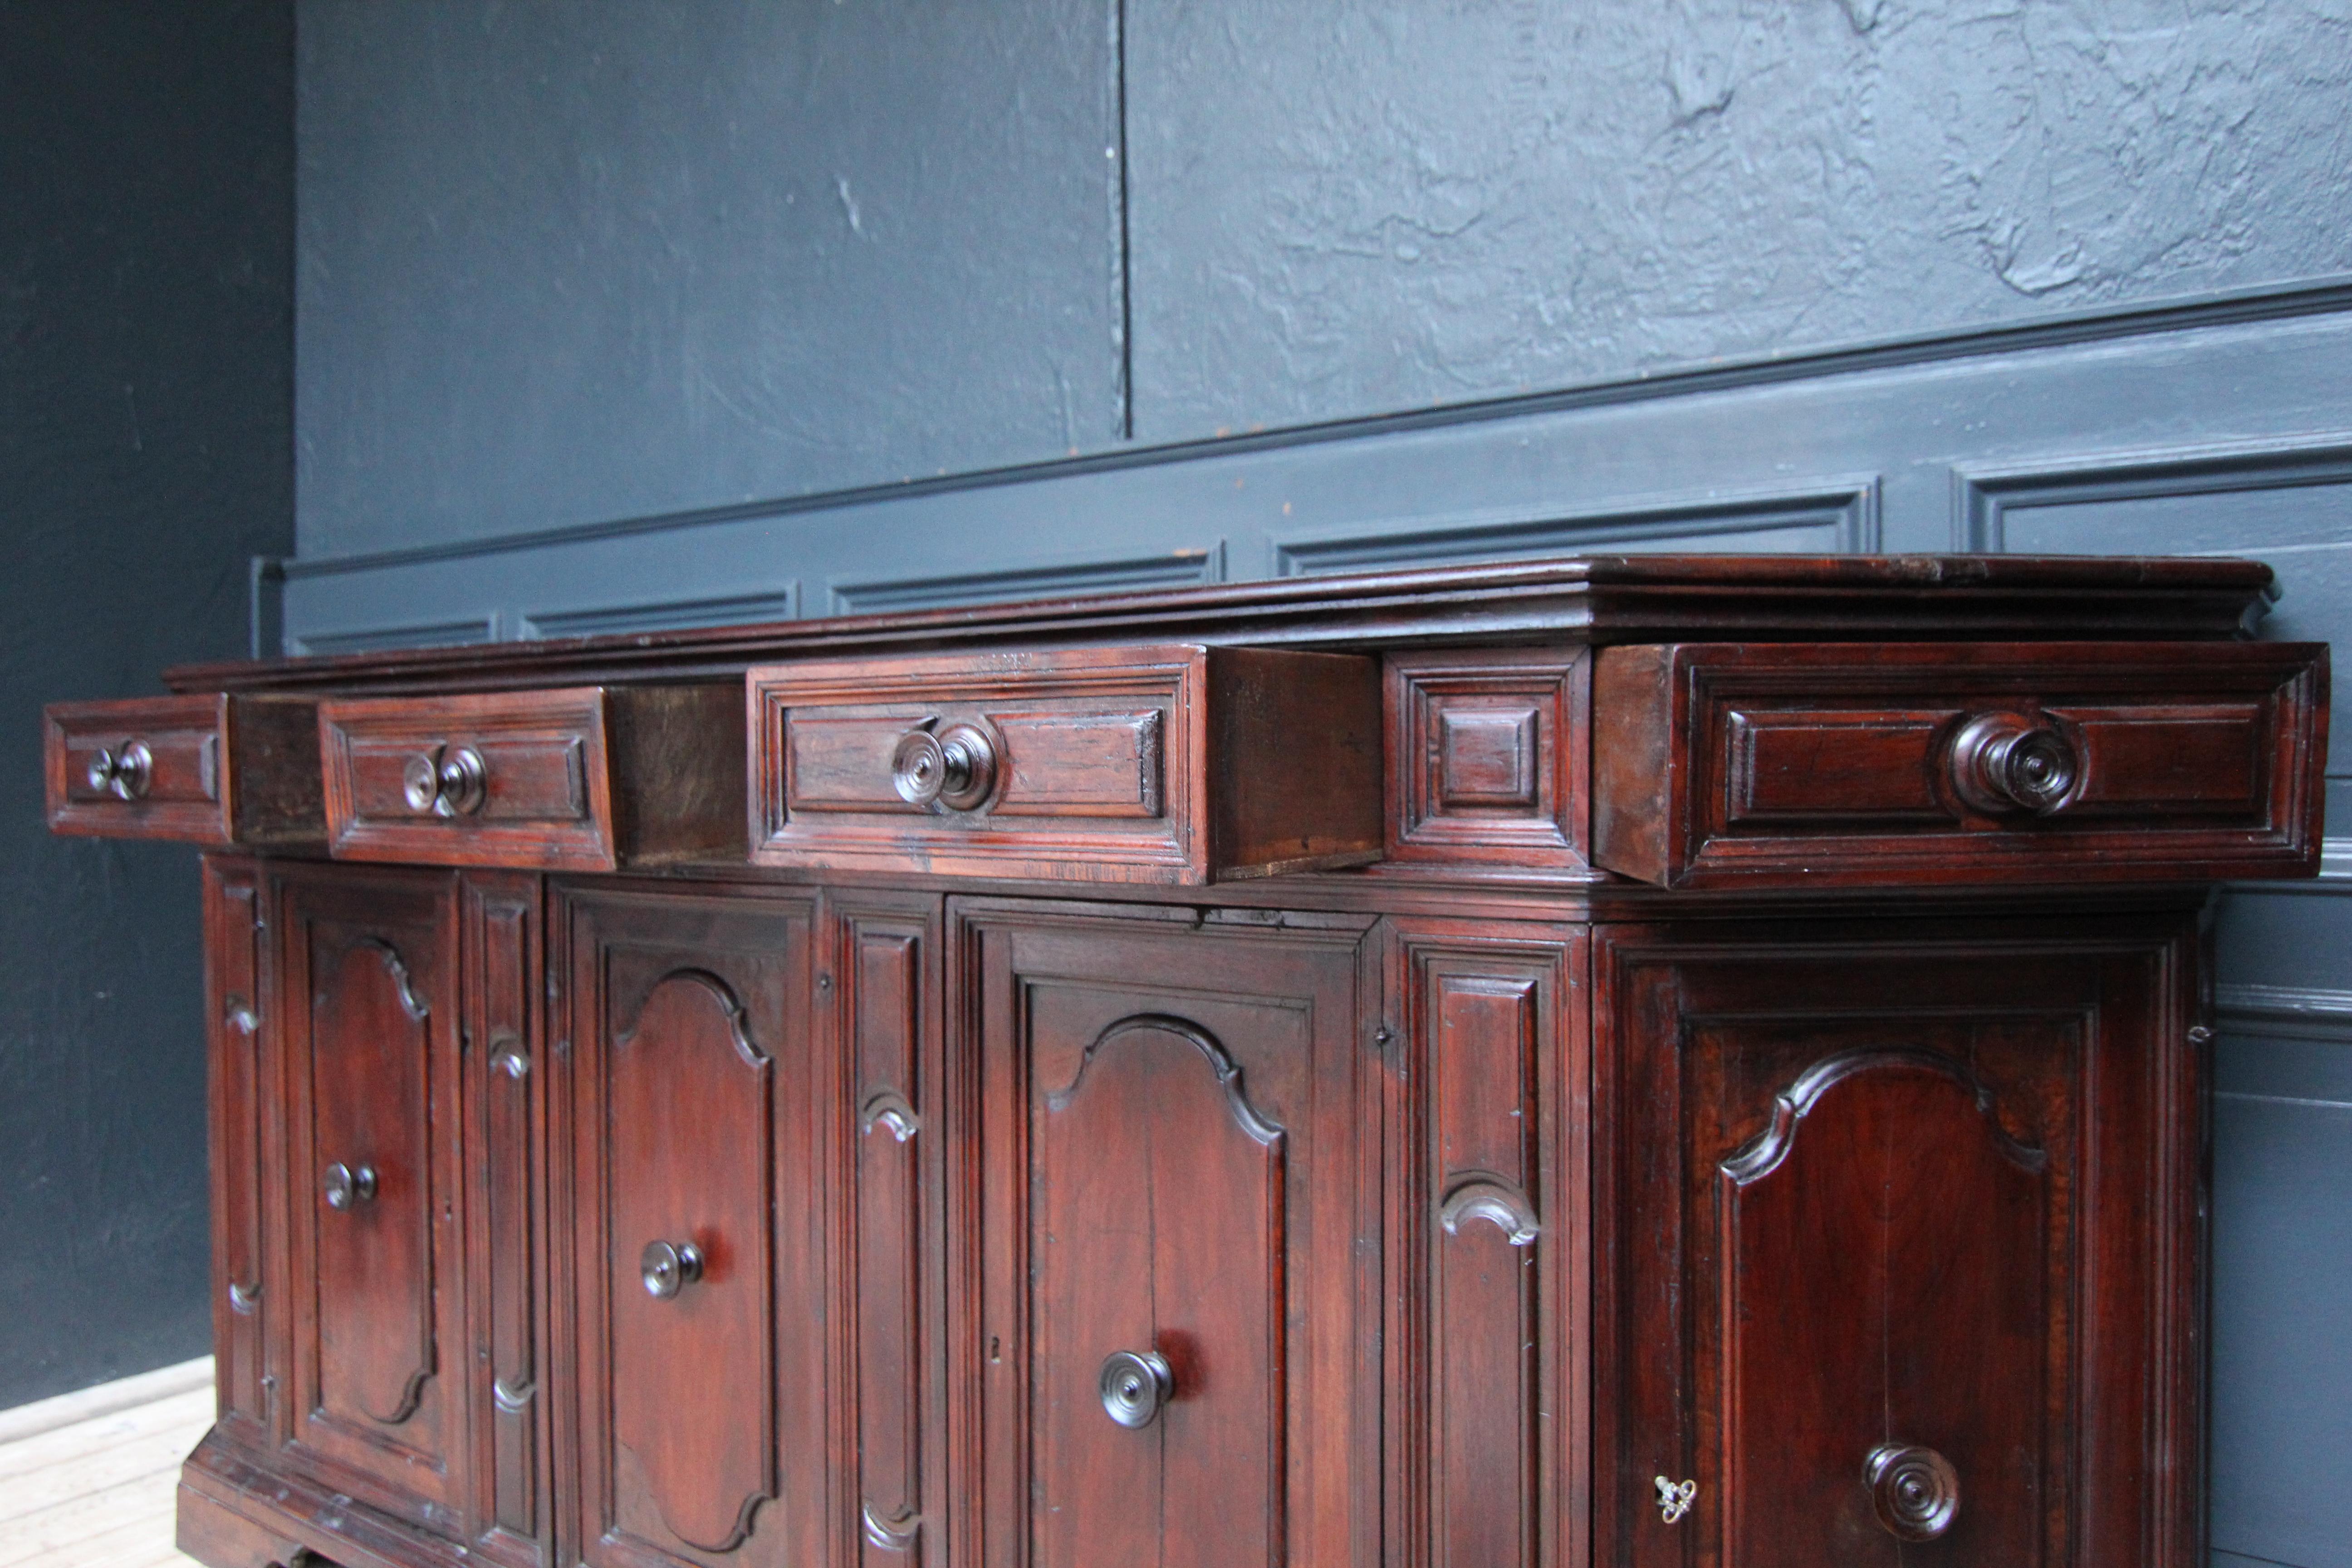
[(90, 1479), (62, 1445)]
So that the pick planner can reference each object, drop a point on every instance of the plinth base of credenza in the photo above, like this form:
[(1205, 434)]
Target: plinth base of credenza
[(235, 1514)]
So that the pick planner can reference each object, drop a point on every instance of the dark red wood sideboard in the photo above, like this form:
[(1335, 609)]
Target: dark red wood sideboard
[(1665, 1063)]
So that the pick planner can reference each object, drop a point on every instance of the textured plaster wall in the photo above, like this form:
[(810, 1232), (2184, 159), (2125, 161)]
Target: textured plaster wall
[(569, 263), (1342, 209)]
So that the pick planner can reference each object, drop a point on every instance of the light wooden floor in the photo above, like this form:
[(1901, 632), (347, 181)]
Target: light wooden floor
[(87, 1479)]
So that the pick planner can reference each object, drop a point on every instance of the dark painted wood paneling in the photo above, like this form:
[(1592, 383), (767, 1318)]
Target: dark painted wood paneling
[(1336, 211), (1865, 447), (2282, 1230)]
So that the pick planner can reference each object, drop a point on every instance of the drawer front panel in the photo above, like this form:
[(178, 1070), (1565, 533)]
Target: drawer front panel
[(519, 779), (1090, 772), (149, 768), (1720, 764), (1123, 764), (1487, 757), (1061, 759), (1083, 762)]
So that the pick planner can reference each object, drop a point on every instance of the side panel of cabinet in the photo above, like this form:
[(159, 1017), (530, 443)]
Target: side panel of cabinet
[(508, 1518), (696, 1095), (247, 1292), (1899, 1231), (1175, 1355), (886, 970), (1489, 1251), (368, 1008)]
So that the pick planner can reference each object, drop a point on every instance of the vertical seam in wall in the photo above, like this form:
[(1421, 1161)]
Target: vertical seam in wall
[(1125, 281)]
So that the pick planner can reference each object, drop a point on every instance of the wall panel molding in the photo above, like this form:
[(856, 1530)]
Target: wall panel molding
[(779, 604), (2244, 1005), (1984, 494), (1842, 513), (1824, 453), (2335, 879), (2220, 310), (1184, 568), (415, 634)]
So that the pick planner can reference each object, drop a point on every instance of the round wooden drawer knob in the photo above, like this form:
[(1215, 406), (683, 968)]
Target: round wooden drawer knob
[(956, 768), (1914, 1488), (2004, 763)]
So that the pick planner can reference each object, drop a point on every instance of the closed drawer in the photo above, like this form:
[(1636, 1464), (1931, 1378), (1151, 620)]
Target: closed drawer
[(206, 769), (1719, 764), (1178, 763), (582, 778), (1488, 756)]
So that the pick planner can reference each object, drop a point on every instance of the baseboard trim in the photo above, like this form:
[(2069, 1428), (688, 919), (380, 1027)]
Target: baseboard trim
[(104, 1399)]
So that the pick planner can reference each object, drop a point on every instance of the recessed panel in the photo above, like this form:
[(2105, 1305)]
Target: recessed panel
[(690, 1450), (1487, 758)]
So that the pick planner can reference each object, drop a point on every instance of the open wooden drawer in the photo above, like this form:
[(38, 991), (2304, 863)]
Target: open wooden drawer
[(1779, 764), (576, 778), (208, 768), (1177, 763)]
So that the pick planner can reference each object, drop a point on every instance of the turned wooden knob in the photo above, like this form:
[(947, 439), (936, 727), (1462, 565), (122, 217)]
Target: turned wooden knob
[(451, 784), (956, 768), (2005, 763), (1914, 1489)]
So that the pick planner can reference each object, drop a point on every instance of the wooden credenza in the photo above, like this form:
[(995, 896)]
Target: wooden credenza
[(1665, 1063)]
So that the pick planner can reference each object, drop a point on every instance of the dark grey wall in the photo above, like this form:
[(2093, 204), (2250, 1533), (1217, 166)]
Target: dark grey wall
[(146, 155), (568, 262), (564, 263), (624, 316)]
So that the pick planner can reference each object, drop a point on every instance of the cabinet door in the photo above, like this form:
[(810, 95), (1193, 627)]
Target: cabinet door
[(1176, 1354), (370, 1014), (698, 1223), (1489, 1244), (1902, 1229), (247, 1292)]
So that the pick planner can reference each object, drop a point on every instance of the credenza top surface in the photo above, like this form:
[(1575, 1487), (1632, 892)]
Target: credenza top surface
[(1597, 600)]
